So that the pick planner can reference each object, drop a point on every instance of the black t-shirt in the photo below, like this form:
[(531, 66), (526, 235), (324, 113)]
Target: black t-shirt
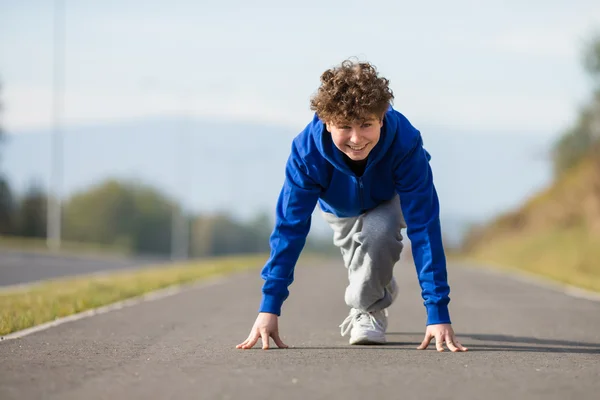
[(358, 167)]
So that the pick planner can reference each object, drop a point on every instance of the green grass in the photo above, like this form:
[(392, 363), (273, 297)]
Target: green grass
[(568, 256), (22, 308)]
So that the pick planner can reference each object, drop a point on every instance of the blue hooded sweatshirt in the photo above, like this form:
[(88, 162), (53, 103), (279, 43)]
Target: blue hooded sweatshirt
[(316, 172)]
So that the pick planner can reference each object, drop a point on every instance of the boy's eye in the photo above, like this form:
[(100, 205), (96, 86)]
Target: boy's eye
[(345, 127), (366, 125)]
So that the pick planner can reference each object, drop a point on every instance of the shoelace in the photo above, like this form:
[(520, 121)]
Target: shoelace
[(362, 318)]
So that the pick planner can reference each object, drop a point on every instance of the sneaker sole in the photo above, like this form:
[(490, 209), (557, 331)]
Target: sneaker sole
[(365, 340)]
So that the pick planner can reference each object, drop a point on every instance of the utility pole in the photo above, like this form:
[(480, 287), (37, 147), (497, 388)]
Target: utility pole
[(180, 224), (53, 233)]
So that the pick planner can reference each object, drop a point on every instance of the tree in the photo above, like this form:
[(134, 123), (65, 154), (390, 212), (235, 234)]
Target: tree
[(584, 136), (133, 216), (577, 141), (591, 59), (152, 221), (221, 234), (7, 209), (7, 206), (31, 215)]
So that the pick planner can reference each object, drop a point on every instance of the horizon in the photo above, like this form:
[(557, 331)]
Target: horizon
[(189, 162)]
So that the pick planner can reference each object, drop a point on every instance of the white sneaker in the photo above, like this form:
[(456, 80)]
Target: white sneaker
[(365, 327), (368, 328)]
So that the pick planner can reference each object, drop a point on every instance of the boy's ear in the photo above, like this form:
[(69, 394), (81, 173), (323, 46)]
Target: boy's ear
[(327, 127)]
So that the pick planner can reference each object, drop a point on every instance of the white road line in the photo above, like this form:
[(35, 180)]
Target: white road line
[(150, 296)]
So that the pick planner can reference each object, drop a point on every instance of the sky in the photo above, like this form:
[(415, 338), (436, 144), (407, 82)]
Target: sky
[(489, 67), (481, 66)]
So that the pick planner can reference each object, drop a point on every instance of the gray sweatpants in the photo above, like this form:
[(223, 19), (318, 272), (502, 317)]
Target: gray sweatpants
[(370, 245)]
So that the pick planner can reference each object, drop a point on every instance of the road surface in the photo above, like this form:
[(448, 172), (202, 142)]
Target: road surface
[(525, 341), (17, 267)]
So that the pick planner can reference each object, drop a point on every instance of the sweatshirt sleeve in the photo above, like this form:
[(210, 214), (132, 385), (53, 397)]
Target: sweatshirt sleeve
[(420, 206), (296, 202)]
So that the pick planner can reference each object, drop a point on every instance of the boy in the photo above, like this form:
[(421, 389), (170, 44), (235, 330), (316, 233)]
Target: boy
[(364, 163)]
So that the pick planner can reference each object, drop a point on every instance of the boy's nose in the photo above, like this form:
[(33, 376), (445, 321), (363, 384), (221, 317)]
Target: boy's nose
[(354, 136)]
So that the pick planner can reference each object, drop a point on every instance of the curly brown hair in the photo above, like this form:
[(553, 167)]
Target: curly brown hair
[(352, 91)]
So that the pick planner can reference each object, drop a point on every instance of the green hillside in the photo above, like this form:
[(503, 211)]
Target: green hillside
[(556, 234)]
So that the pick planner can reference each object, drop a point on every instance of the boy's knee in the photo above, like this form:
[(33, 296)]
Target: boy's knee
[(381, 234), (381, 238)]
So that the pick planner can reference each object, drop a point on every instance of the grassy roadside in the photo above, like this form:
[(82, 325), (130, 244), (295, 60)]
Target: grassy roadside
[(25, 307), (567, 256)]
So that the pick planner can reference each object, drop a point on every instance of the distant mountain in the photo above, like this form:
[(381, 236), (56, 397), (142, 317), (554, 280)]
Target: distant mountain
[(221, 165)]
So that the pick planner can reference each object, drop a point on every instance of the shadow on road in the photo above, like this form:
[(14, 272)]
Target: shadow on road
[(490, 343), (497, 342)]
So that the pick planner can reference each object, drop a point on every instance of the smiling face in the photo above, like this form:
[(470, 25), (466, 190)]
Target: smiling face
[(356, 139)]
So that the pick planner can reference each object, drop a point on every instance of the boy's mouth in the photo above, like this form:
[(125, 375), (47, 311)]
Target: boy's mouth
[(357, 148)]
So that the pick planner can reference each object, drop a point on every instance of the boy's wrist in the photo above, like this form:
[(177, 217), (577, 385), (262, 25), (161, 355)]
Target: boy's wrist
[(271, 304), (438, 314)]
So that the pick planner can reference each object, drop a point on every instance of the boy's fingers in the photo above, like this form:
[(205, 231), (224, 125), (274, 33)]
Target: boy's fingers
[(245, 342), (265, 340), (278, 341), (456, 343), (239, 346), (439, 343), (425, 342), (450, 342), (250, 342), (460, 346)]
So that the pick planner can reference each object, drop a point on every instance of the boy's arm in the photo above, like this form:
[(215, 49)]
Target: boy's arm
[(420, 206), (297, 201)]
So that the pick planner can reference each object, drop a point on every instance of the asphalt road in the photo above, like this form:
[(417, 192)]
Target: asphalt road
[(17, 267), (525, 341)]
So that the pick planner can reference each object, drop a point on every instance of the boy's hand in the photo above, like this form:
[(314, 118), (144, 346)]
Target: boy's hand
[(264, 327), (442, 333)]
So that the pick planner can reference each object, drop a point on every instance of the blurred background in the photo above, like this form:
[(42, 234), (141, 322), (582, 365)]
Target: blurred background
[(162, 128)]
